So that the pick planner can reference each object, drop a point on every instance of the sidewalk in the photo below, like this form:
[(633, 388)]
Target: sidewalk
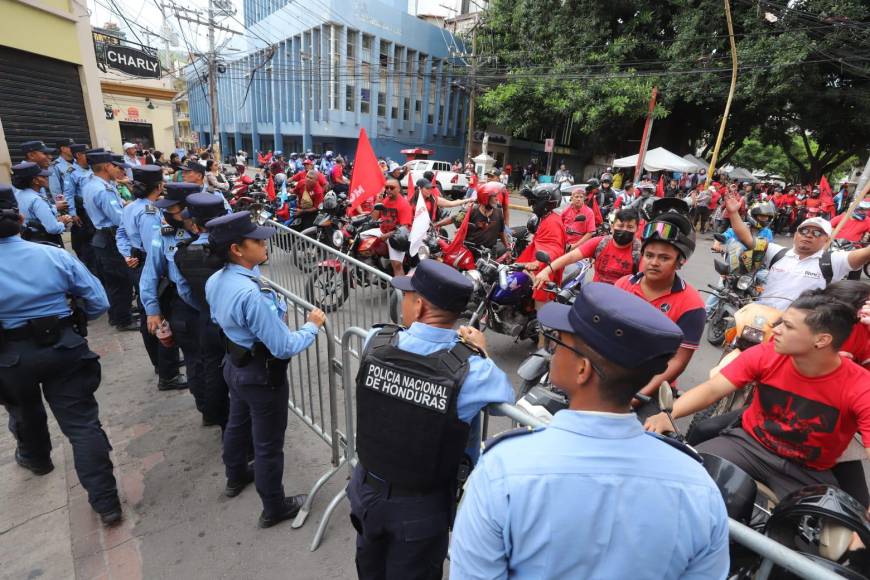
[(177, 522)]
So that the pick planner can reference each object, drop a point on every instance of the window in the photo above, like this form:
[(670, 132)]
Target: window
[(441, 166), (418, 109), (365, 99), (335, 60), (384, 55), (349, 93), (351, 45), (382, 104), (367, 48), (406, 114), (394, 112)]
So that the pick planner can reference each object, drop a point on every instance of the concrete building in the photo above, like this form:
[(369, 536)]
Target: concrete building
[(333, 68), (49, 84)]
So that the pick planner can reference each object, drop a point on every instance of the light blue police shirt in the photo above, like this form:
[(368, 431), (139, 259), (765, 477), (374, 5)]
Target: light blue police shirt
[(590, 496), (34, 207), (140, 222), (59, 171), (159, 263), (36, 278), (102, 202), (248, 313), (74, 184), (219, 195)]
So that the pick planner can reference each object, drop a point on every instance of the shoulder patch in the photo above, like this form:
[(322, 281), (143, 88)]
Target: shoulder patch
[(150, 209), (511, 433), (179, 234)]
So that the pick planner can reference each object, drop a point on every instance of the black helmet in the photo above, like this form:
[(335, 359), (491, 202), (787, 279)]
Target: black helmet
[(606, 177), (592, 184), (532, 224), (544, 198), (330, 201), (400, 241), (665, 205), (680, 234)]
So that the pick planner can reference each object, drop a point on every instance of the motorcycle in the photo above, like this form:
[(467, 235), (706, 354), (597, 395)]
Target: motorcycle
[(738, 288), (783, 219)]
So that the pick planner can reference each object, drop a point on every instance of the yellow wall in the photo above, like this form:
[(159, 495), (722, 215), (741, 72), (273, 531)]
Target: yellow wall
[(39, 32), (160, 119)]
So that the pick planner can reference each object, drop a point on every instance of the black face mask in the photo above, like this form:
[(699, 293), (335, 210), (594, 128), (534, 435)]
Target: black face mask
[(172, 221), (622, 237)]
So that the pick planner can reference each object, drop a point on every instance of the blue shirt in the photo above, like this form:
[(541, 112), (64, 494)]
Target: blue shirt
[(102, 202), (59, 170), (219, 195), (36, 278), (140, 222), (159, 263), (765, 233), (248, 313), (590, 496), (34, 207), (73, 185)]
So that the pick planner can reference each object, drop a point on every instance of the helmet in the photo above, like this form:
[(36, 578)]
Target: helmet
[(674, 229), (488, 190), (606, 177), (328, 154), (664, 205), (400, 241), (760, 208), (294, 155), (280, 179), (330, 201), (241, 151), (592, 184), (544, 198)]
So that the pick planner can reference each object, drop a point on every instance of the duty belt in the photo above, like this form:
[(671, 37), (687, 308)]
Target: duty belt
[(390, 490), (38, 328)]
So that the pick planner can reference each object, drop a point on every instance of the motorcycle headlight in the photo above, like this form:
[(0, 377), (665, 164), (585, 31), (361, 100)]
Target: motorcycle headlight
[(337, 238), (423, 252), (475, 278), (744, 282)]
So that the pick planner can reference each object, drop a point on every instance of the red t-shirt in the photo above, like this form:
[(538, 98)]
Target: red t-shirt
[(581, 228), (858, 344), (683, 305), (316, 195), (809, 420), (396, 213), (612, 263), (854, 229), (300, 176), (549, 238), (337, 174)]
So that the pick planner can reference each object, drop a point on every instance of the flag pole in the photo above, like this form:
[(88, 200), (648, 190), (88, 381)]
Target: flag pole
[(644, 139), (715, 157)]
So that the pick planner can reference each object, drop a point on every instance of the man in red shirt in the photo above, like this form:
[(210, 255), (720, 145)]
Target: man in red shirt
[(309, 196), (396, 212), (549, 237), (340, 183), (857, 226), (668, 242), (309, 166), (615, 256), (578, 231), (809, 402)]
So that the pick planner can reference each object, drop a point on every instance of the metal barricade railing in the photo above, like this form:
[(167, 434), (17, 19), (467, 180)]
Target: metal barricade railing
[(313, 390)]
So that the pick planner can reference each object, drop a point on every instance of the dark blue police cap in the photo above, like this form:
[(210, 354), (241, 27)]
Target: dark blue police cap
[(95, 150), (194, 165), (67, 142), (439, 284), (7, 197), (78, 148), (95, 157), (234, 226), (204, 206), (148, 174), (623, 328), (29, 170), (119, 161), (177, 193), (29, 146)]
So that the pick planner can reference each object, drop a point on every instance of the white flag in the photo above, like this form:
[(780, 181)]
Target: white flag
[(420, 226)]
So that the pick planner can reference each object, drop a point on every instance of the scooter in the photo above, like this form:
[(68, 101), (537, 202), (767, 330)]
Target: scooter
[(738, 288)]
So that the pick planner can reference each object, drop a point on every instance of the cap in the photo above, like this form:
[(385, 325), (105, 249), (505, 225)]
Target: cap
[(99, 157), (307, 161), (148, 174), (393, 166), (234, 226), (438, 283), (177, 193), (818, 222), (95, 150), (423, 183), (78, 148), (67, 142), (622, 328), (204, 206), (194, 165), (29, 146), (29, 170), (493, 172), (128, 145), (7, 197), (119, 161)]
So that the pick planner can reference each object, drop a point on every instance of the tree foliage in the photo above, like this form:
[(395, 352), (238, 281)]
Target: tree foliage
[(803, 79)]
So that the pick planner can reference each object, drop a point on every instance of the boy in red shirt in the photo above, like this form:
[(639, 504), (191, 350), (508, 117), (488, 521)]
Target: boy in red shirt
[(808, 405)]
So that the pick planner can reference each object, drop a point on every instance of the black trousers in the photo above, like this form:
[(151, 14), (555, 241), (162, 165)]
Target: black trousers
[(67, 375), (398, 537), (81, 237), (215, 392), (164, 359), (702, 214), (184, 322), (116, 279)]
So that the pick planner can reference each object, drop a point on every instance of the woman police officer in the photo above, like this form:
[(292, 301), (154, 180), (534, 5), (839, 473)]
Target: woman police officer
[(259, 345)]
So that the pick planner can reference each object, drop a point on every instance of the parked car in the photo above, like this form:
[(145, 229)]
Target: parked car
[(451, 183)]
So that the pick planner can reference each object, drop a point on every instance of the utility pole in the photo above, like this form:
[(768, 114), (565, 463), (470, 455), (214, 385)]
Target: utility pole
[(473, 90)]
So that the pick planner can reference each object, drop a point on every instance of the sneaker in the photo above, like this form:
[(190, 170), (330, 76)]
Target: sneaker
[(176, 383), (234, 488), (290, 509), (35, 467), (111, 517)]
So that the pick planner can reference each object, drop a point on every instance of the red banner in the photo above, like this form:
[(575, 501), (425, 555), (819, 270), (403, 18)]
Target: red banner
[(367, 180), (660, 186)]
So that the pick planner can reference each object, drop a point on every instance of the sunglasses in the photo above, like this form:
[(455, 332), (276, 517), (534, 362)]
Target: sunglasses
[(662, 230), (392, 187), (554, 336), (811, 232)]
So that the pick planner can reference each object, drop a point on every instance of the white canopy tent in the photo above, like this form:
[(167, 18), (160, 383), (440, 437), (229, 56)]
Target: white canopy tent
[(700, 163), (658, 159), (738, 173)]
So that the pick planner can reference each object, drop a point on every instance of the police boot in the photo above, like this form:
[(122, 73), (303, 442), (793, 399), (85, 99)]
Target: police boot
[(111, 517), (234, 488), (291, 508), (176, 383), (128, 327), (36, 467)]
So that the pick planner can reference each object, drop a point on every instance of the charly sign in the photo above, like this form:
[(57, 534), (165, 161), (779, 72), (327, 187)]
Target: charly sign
[(131, 61)]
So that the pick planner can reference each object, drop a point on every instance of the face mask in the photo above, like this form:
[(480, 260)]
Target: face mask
[(172, 221), (622, 237)]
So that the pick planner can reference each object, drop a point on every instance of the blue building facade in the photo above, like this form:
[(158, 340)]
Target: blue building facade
[(340, 65)]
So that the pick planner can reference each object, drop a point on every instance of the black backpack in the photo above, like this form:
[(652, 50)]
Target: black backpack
[(825, 264)]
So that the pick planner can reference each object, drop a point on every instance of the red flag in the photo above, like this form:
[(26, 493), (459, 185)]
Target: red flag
[(270, 188), (367, 180), (459, 238), (660, 186), (473, 181), (827, 196), (825, 187), (410, 193)]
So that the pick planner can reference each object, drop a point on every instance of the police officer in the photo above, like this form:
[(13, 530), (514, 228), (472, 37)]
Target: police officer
[(418, 392), (104, 207), (61, 167), (259, 345), (164, 291), (592, 495), (82, 230), (194, 172), (140, 222), (42, 344), (40, 217), (193, 259)]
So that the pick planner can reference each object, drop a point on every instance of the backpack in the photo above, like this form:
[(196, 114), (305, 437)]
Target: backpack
[(635, 251), (825, 264)]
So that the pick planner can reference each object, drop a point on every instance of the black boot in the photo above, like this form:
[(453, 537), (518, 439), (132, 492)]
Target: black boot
[(176, 383), (234, 488), (36, 467), (290, 509)]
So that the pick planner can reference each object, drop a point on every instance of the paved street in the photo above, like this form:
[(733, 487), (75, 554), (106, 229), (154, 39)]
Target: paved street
[(178, 524)]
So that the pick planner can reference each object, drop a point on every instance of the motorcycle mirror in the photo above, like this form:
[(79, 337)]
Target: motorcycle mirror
[(580, 218), (719, 238), (542, 257), (379, 207), (666, 397)]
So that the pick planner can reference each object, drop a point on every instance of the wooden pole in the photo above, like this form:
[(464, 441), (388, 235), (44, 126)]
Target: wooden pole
[(715, 157), (644, 139)]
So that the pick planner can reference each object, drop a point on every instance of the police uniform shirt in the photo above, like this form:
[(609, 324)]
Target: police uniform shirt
[(219, 195), (248, 312), (60, 171), (36, 278), (140, 222), (74, 184), (102, 202), (590, 496), (160, 263), (34, 207)]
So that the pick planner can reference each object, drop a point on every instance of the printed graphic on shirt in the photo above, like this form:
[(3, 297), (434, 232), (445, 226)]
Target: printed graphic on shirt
[(789, 422), (415, 390)]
